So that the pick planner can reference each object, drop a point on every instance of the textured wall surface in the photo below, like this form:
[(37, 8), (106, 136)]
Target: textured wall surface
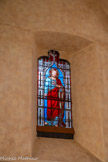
[(28, 29), (85, 18), (102, 50), (62, 150), (15, 91), (86, 101)]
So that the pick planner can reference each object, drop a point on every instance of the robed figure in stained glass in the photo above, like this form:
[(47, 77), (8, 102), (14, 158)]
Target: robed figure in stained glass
[(55, 94)]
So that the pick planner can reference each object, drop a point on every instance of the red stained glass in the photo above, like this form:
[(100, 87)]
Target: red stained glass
[(54, 91)]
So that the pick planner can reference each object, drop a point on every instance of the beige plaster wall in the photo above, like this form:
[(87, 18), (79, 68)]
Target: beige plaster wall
[(86, 101), (33, 107), (102, 50), (28, 29), (85, 18), (16, 49)]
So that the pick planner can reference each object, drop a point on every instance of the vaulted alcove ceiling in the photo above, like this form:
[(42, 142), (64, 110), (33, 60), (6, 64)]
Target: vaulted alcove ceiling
[(60, 41)]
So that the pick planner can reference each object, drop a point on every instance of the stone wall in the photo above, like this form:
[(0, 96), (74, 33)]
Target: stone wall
[(15, 91), (86, 101), (102, 50), (79, 31)]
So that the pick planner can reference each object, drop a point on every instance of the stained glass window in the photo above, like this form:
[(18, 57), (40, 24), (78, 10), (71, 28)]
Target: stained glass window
[(54, 92)]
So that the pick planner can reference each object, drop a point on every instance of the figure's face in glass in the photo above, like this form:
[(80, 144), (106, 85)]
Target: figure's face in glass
[(54, 73)]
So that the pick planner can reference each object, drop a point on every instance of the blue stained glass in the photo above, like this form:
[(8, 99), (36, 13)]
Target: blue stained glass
[(54, 91), (61, 77)]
